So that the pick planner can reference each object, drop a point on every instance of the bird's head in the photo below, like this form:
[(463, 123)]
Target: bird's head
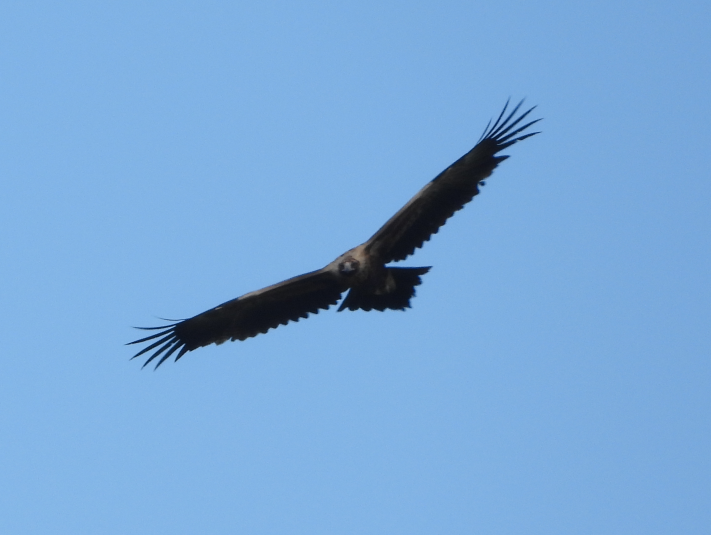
[(349, 266)]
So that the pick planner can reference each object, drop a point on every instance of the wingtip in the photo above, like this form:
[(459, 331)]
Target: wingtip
[(504, 130)]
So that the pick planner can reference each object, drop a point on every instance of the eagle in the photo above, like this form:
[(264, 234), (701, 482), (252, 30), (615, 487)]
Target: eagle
[(372, 284)]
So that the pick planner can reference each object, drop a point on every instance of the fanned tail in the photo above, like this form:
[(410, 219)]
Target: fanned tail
[(395, 294)]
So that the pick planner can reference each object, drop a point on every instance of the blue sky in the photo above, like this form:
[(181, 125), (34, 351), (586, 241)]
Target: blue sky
[(159, 158)]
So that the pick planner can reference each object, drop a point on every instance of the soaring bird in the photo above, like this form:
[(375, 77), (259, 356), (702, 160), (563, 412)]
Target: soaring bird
[(363, 270)]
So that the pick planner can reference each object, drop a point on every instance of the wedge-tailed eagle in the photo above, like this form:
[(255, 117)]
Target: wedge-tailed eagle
[(363, 270)]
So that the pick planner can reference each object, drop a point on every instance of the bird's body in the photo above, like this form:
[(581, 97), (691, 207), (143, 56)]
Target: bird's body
[(363, 270)]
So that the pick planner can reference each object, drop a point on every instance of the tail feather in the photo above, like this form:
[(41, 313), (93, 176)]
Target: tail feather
[(399, 289)]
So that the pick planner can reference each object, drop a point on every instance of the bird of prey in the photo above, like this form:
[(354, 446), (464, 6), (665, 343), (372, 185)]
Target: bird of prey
[(363, 270)]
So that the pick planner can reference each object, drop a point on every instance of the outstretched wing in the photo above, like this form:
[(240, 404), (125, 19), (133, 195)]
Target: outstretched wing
[(448, 192), (246, 316)]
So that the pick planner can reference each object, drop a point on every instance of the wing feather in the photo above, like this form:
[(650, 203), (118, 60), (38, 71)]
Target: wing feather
[(449, 191), (246, 316)]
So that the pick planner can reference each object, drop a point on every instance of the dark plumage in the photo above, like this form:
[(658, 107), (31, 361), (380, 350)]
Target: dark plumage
[(362, 270)]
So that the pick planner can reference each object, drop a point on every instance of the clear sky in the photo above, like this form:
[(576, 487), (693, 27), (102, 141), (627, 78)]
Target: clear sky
[(159, 158)]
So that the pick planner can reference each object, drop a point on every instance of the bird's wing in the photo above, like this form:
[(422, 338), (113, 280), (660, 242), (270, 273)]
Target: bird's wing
[(449, 191), (246, 316)]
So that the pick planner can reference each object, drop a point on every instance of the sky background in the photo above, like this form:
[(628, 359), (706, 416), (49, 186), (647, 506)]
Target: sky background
[(159, 158)]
